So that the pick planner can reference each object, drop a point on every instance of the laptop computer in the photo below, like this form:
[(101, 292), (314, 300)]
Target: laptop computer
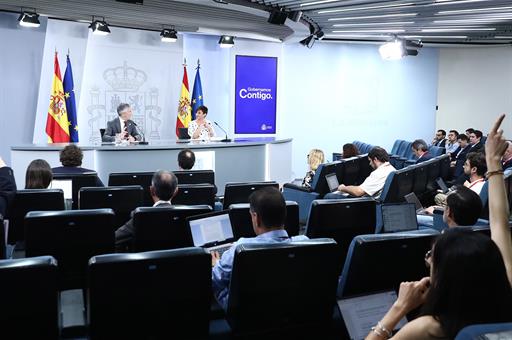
[(397, 217), (412, 198), (332, 182), (361, 313), (212, 231), (442, 185)]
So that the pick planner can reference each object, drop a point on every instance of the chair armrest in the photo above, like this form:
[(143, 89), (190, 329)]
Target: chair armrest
[(296, 187)]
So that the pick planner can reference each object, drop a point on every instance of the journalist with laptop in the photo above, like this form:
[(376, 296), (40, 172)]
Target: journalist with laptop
[(268, 214)]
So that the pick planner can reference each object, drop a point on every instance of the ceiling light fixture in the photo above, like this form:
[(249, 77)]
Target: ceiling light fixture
[(99, 27), (364, 8), (398, 48), (317, 2), (309, 41), (371, 31), (473, 10), (375, 16), (435, 36), (440, 30), (29, 19), (397, 23), (169, 35), (226, 41)]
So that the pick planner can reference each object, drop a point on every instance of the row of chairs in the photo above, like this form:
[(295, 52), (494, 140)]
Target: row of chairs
[(350, 171), (167, 294), (122, 199), (402, 154)]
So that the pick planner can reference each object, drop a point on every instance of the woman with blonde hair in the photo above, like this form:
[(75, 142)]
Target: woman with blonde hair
[(315, 158)]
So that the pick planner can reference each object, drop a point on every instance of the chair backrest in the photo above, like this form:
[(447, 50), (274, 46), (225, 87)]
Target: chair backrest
[(420, 178), (31, 200), (30, 298), (336, 156), (72, 237), (484, 197), (396, 146), (404, 149), (341, 220), (194, 194), (242, 224), (102, 132), (78, 181), (486, 331), (240, 192), (365, 168), (143, 179), (195, 176), (153, 295), (444, 166), (164, 227), (433, 172), (319, 183), (298, 281), (436, 151), (405, 183), (351, 171), (364, 271), (123, 200), (2, 239)]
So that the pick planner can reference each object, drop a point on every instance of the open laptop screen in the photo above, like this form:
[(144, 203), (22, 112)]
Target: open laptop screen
[(361, 313), (332, 181), (212, 228), (399, 217), (412, 198), (66, 185)]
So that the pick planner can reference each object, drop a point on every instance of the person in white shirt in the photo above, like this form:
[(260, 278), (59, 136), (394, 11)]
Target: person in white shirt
[(373, 184), (201, 128)]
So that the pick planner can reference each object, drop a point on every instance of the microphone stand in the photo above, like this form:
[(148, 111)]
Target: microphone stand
[(143, 141), (226, 139)]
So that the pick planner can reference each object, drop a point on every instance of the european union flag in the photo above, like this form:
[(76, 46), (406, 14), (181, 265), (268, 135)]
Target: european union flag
[(69, 95), (197, 93)]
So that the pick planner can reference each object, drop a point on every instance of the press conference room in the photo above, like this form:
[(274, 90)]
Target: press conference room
[(271, 169)]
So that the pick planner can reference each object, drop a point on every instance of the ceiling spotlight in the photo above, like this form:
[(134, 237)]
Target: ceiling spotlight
[(319, 35), (169, 35), (398, 48), (99, 27), (309, 41), (28, 19), (226, 41)]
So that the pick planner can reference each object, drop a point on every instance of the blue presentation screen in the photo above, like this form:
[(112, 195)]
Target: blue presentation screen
[(256, 95)]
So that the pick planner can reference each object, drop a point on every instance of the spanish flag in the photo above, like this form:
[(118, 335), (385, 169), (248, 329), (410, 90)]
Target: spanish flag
[(57, 123), (184, 110)]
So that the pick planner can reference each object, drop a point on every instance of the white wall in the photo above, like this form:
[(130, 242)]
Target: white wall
[(475, 85), (337, 93)]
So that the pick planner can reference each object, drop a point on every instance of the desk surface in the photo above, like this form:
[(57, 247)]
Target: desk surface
[(157, 145)]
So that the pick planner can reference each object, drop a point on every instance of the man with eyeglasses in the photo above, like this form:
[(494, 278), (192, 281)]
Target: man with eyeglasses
[(439, 139), (122, 127)]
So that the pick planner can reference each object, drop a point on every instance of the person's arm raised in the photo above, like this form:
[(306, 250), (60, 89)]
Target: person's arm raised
[(498, 206)]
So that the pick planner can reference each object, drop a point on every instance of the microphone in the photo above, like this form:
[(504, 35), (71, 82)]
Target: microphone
[(143, 141), (226, 139)]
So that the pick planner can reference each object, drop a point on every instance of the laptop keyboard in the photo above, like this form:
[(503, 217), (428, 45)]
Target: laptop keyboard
[(221, 250)]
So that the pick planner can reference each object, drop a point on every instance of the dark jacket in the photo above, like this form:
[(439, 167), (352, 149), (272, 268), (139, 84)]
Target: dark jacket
[(114, 127), (7, 188), (425, 157)]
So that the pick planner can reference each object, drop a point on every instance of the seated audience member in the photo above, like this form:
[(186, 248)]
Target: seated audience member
[(39, 175), (439, 139), (474, 168), (469, 131), (7, 186), (459, 156), (186, 159), (373, 184), (451, 144), (268, 214), (315, 158), (71, 159), (164, 186), (420, 149), (470, 274), (463, 207), (507, 157), (475, 140), (350, 150)]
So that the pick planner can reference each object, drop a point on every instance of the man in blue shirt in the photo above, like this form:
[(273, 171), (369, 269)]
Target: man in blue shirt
[(268, 214)]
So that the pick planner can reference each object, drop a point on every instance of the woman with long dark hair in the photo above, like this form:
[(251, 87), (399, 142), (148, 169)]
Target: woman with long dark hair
[(470, 273), (39, 175)]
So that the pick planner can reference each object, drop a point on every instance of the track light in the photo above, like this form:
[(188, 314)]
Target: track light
[(169, 35), (27, 19), (309, 41), (398, 48), (226, 41), (99, 27), (319, 35)]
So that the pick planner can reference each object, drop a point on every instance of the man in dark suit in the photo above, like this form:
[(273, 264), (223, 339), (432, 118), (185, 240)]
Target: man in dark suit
[(459, 156), (7, 186), (440, 139), (71, 159), (164, 186), (122, 127), (420, 149), (475, 140)]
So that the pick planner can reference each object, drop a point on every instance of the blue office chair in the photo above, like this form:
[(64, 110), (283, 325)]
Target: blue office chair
[(482, 331)]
